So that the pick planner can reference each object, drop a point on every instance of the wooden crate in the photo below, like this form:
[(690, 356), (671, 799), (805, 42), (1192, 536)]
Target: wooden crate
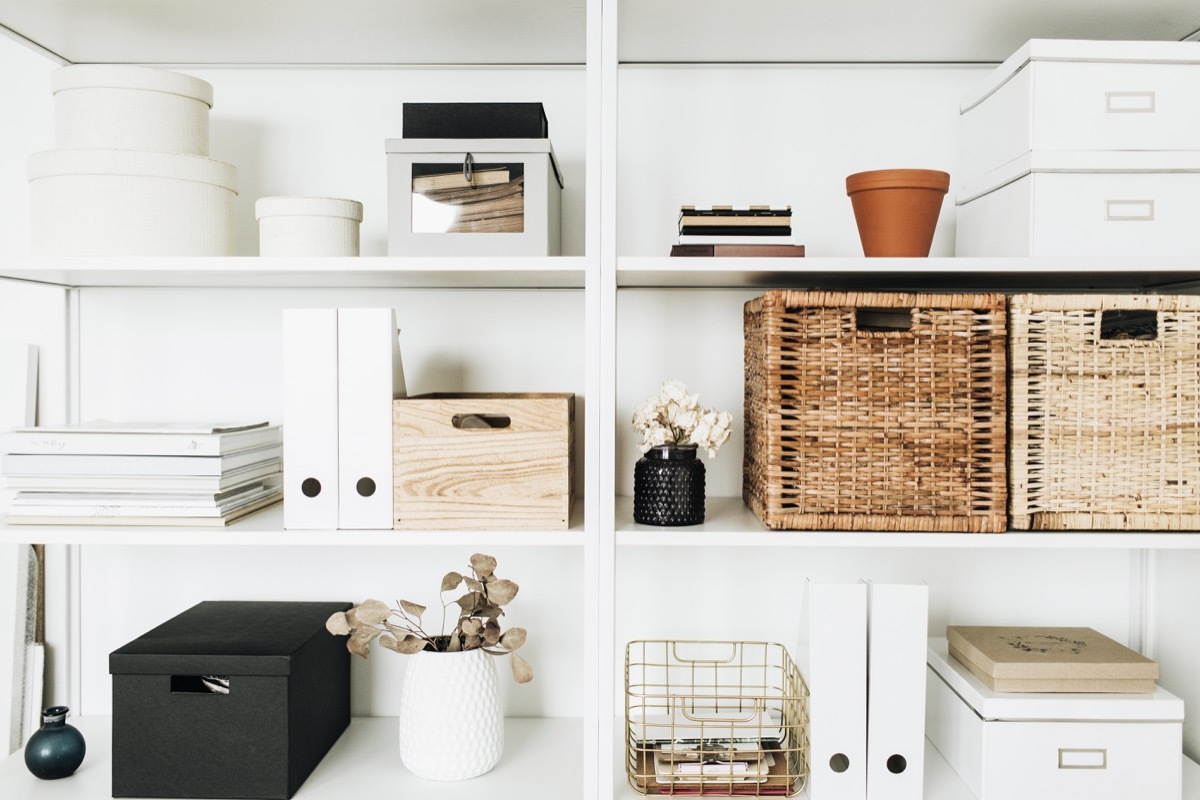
[(875, 411), (1105, 418), (462, 478)]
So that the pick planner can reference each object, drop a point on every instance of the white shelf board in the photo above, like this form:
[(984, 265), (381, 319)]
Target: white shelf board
[(559, 272), (554, 31), (304, 31), (364, 762), (934, 274), (729, 523), (817, 31), (265, 528), (941, 781)]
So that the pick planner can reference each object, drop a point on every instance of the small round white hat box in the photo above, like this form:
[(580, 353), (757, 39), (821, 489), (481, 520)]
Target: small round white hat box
[(130, 203), (308, 226), (130, 108)]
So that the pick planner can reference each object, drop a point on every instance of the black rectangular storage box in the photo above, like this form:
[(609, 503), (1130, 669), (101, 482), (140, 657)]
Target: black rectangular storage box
[(474, 121), (178, 733)]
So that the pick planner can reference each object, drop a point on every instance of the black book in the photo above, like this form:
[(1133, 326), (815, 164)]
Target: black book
[(735, 230)]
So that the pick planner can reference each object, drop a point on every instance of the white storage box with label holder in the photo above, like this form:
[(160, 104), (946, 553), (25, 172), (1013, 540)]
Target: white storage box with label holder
[(1061, 94), (472, 197), (103, 106), (129, 203), (1039, 746), (1083, 203), (308, 226)]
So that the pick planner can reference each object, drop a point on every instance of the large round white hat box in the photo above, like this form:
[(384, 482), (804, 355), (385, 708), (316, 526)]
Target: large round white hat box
[(130, 203), (130, 108), (308, 226)]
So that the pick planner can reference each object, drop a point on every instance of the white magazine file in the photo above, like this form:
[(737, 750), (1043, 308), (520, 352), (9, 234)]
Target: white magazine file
[(898, 621), (832, 657), (310, 419), (370, 377)]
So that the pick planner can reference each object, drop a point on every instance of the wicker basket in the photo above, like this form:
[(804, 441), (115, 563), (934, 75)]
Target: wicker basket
[(714, 703), (875, 411), (1105, 419)]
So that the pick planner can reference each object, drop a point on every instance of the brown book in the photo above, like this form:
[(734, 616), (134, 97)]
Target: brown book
[(477, 194), (739, 250), (1033, 659), (455, 180)]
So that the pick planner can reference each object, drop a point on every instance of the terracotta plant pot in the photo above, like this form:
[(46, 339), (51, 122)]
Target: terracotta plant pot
[(897, 209)]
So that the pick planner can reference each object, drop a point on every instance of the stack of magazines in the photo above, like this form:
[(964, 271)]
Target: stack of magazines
[(103, 473)]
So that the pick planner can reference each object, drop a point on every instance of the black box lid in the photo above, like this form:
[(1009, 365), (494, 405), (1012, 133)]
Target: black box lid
[(219, 637), (474, 121)]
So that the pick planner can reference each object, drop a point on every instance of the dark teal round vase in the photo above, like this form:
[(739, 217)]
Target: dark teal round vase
[(56, 749), (668, 486)]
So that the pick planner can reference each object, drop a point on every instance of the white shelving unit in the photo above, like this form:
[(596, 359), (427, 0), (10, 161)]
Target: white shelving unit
[(652, 103)]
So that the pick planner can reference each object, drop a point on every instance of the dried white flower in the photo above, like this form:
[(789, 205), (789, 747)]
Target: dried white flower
[(674, 416)]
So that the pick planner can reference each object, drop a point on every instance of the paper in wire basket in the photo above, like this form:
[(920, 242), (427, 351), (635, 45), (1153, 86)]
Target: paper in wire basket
[(714, 718)]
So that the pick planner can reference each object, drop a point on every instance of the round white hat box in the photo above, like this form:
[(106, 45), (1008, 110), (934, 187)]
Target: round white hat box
[(129, 203), (130, 108), (308, 226)]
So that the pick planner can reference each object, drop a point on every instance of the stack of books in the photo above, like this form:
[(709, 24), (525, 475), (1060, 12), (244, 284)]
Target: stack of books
[(492, 201), (104, 473), (739, 232), (713, 763)]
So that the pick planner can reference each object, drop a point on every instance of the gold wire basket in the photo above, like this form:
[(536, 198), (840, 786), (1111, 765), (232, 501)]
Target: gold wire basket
[(714, 718)]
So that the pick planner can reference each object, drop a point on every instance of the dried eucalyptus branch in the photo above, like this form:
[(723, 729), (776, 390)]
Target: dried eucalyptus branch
[(477, 625)]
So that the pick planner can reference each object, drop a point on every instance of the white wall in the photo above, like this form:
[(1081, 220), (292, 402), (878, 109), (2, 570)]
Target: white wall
[(784, 136), (26, 126), (303, 132)]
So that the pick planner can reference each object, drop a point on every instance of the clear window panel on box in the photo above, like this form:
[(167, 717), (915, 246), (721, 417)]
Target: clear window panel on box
[(468, 198)]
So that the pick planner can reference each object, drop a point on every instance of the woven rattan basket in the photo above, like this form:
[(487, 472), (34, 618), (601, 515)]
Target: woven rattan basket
[(1105, 419), (875, 411)]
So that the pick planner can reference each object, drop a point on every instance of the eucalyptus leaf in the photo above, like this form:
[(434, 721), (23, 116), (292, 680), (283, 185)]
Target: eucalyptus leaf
[(471, 626), (352, 618), (472, 642), (373, 612), (483, 565), (360, 641), (513, 638), (389, 642), (474, 585), (491, 633), (491, 612), (522, 672), (469, 602), (455, 645), (396, 630), (451, 581), (410, 645), (337, 624), (412, 609), (502, 592)]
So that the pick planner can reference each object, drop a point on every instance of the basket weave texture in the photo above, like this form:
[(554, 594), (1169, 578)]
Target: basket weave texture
[(1105, 424), (850, 427)]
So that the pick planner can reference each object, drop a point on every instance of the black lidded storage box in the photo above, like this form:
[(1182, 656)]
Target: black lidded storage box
[(288, 701), (474, 121)]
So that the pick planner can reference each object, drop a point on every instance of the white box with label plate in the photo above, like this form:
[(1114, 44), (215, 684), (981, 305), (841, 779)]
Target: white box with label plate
[(1062, 94), (1039, 746), (1083, 203), (415, 217)]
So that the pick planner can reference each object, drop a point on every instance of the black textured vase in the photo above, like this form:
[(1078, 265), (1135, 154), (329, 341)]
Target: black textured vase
[(56, 749), (668, 486)]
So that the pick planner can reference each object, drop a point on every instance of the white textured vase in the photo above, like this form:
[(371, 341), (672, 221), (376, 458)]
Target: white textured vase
[(450, 723)]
